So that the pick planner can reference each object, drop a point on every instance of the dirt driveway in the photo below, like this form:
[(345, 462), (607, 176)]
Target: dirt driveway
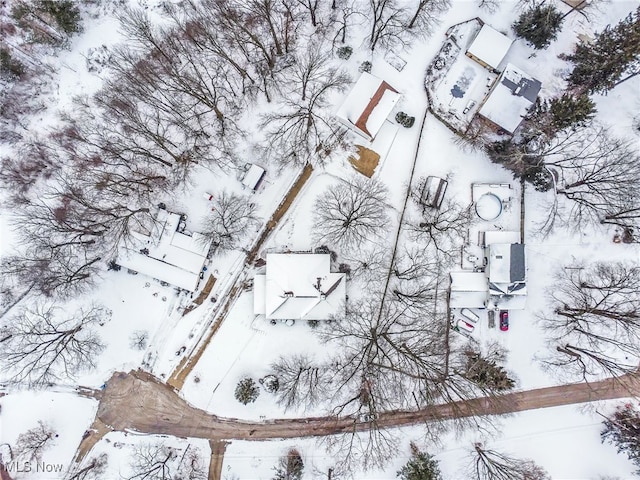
[(138, 401)]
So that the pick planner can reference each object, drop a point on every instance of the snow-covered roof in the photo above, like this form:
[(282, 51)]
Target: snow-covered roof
[(368, 105), (506, 263), (173, 257), (501, 236), (490, 46), (299, 286), (511, 99), (468, 281), (468, 299), (253, 177), (468, 289)]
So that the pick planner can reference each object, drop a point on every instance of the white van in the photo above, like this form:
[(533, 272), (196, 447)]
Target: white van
[(469, 315)]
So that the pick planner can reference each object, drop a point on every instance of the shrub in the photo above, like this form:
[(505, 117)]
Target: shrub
[(270, 383), (344, 52), (247, 391), (405, 120), (365, 67)]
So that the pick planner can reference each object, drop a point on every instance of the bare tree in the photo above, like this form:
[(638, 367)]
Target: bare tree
[(419, 280), (157, 461), (231, 219), (387, 23), (93, 470), (302, 130), (350, 213), (595, 174), (371, 264), (444, 229), (491, 6), (492, 465), (598, 174), (42, 344), (31, 444), (426, 15), (301, 381), (365, 450), (594, 320)]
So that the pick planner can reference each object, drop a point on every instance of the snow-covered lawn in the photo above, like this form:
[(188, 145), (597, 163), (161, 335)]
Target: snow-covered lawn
[(68, 416)]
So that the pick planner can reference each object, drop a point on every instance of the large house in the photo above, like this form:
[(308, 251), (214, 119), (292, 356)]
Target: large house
[(166, 252), (511, 98), (499, 281), (367, 106), (299, 286)]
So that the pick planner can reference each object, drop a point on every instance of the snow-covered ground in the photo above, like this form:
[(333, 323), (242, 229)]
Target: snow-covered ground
[(565, 440)]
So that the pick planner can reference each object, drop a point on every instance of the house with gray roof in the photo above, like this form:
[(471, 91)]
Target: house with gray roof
[(510, 99)]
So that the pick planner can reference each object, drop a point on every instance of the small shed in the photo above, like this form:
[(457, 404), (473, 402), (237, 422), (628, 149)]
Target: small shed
[(433, 191), (489, 47), (253, 177)]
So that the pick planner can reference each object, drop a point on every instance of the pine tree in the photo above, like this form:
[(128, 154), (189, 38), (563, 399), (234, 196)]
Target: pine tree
[(539, 25), (623, 430), (487, 373), (65, 13), (571, 111), (421, 466), (290, 467), (247, 391), (600, 65)]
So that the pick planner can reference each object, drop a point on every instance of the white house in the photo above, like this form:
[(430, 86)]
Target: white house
[(299, 286), (507, 274), (511, 98), (166, 252), (489, 47), (367, 106)]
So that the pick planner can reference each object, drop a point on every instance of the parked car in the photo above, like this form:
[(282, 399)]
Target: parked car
[(463, 326), (469, 315), (504, 320)]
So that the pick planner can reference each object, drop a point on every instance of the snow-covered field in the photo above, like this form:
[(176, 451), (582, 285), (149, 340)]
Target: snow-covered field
[(564, 440)]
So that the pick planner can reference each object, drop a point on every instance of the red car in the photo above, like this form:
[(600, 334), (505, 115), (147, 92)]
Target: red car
[(504, 320)]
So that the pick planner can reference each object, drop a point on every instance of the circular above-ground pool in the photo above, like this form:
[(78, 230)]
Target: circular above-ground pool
[(489, 206)]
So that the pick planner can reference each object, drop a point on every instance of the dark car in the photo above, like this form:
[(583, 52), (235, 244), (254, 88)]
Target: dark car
[(504, 320)]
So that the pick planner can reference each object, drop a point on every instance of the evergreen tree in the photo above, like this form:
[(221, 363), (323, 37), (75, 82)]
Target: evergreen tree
[(421, 466), (247, 391), (571, 111), (623, 430), (290, 467), (600, 65), (486, 373), (539, 25), (65, 13)]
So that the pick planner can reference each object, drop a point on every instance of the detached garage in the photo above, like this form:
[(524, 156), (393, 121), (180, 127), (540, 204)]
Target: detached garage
[(253, 177)]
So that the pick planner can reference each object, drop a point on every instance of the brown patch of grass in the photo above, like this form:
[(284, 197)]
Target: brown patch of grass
[(366, 162)]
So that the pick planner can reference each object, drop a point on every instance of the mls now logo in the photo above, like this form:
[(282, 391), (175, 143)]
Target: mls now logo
[(28, 467)]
